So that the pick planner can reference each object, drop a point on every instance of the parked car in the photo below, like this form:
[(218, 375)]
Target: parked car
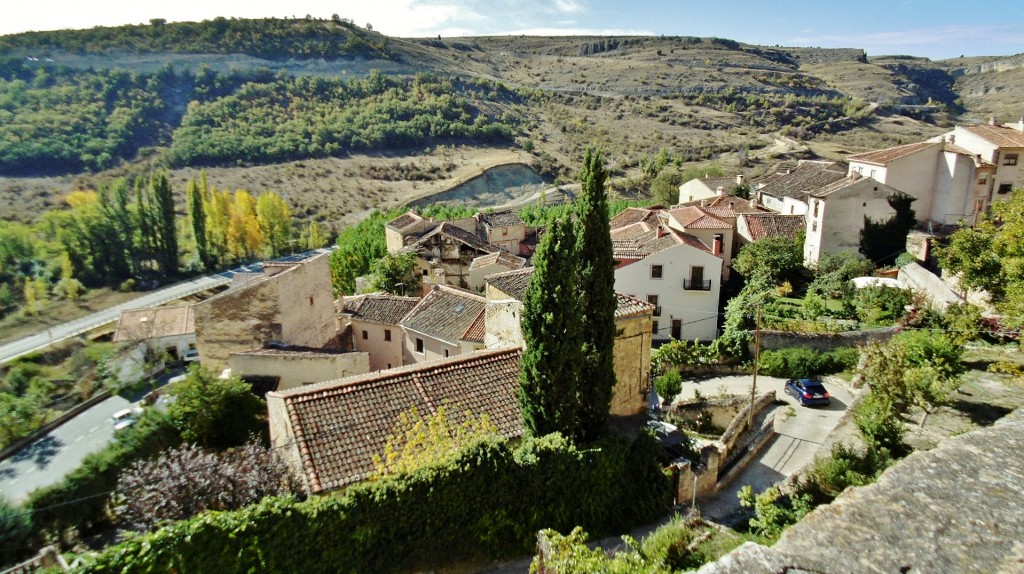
[(190, 356), (808, 391)]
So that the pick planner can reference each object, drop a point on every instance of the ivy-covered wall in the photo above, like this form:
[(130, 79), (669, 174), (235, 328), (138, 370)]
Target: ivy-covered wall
[(488, 503)]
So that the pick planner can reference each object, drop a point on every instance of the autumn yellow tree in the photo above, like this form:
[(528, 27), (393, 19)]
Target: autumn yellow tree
[(244, 237), (275, 223)]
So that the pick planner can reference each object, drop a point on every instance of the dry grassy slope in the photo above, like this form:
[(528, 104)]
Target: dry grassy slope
[(619, 98)]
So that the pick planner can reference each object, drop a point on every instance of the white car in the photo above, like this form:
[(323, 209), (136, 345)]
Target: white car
[(190, 356), (123, 419)]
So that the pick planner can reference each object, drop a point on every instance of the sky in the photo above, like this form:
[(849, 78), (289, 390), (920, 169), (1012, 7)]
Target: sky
[(935, 29)]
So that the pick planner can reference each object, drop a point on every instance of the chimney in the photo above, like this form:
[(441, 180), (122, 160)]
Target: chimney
[(719, 191), (739, 179), (753, 202), (1020, 124), (661, 232), (703, 203), (992, 120), (952, 138)]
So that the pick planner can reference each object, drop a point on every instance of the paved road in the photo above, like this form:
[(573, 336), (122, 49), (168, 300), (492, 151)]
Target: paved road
[(800, 437), (48, 459), (174, 292), (67, 330)]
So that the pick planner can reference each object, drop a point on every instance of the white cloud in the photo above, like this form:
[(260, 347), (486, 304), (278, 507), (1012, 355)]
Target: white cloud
[(568, 6), (938, 37)]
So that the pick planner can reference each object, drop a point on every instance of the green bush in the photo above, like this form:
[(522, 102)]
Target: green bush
[(15, 528), (805, 362), (844, 467), (668, 385), (488, 503)]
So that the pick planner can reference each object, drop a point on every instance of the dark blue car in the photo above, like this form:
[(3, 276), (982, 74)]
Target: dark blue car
[(808, 392)]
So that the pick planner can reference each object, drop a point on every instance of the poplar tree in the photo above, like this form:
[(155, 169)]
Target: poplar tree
[(597, 286), (166, 231), (551, 322), (196, 194)]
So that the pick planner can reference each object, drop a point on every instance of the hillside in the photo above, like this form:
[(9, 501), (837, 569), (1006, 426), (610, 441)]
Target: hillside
[(252, 100)]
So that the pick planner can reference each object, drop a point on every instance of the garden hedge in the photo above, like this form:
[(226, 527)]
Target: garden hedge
[(488, 503)]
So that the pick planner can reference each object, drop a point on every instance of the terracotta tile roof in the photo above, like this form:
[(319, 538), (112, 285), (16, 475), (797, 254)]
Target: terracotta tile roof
[(695, 218), (763, 225), (632, 215), (476, 331), (885, 156), (627, 306), (446, 313), (503, 258), (339, 425), (404, 220), (638, 249), (807, 177), (634, 231), (504, 218), (457, 233), (1001, 136), (155, 322), (731, 206), (511, 283), (379, 308)]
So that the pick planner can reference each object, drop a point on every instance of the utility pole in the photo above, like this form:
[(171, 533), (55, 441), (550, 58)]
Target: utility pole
[(757, 358)]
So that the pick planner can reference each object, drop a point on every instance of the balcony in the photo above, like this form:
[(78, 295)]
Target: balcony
[(691, 285)]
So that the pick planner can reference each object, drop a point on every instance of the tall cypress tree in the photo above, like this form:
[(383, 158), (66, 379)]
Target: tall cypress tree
[(197, 213), (551, 322), (597, 286), (167, 236)]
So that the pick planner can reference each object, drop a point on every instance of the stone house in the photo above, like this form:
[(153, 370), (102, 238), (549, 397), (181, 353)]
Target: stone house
[(287, 304), (837, 212), (502, 228), (632, 350), (949, 182), (373, 322), (445, 323), (329, 432), (444, 254)]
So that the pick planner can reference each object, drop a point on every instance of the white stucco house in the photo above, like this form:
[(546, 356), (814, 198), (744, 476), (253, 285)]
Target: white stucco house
[(837, 211), (708, 188), (677, 273), (1001, 146), (786, 192), (949, 182), (373, 321)]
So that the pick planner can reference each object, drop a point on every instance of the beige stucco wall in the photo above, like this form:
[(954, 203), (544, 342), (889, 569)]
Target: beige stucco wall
[(433, 349), (383, 354), (296, 370), (282, 439), (294, 307), (841, 218), (507, 238), (502, 318), (632, 365), (695, 190)]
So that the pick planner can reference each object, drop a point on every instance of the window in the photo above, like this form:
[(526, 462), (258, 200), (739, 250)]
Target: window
[(677, 329), (365, 335), (446, 352), (655, 271), (654, 327), (419, 345), (815, 207), (1005, 188), (1010, 159), (387, 334), (814, 226), (696, 282), (425, 272), (311, 301), (653, 300), (504, 231), (872, 174), (982, 178)]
